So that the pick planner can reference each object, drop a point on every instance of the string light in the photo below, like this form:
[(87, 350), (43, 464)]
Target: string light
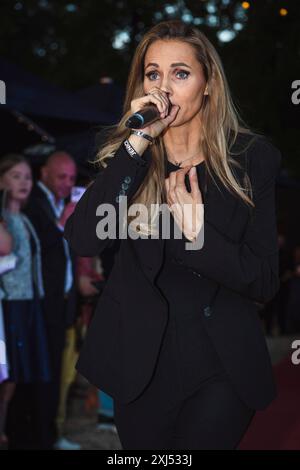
[(283, 12), (31, 126)]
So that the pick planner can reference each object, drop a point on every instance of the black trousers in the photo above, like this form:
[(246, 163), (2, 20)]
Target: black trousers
[(47, 395), (31, 420), (183, 407)]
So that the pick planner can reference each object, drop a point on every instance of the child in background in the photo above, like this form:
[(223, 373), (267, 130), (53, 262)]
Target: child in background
[(22, 289)]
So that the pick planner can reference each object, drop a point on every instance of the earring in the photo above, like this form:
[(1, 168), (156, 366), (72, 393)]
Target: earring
[(206, 92)]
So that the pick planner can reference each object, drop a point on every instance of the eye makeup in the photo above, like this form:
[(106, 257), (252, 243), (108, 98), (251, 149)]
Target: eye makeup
[(151, 72)]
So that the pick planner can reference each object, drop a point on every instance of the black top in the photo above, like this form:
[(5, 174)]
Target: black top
[(186, 335), (201, 172)]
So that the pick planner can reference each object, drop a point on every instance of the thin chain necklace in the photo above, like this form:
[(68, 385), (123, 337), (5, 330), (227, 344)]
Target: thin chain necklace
[(179, 163)]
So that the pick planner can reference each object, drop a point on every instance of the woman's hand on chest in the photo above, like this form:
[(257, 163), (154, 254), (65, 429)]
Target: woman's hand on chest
[(187, 207)]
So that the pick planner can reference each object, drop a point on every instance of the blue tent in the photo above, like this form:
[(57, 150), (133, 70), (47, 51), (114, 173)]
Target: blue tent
[(38, 112), (34, 96)]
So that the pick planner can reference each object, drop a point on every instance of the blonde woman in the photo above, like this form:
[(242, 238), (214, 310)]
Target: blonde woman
[(176, 339)]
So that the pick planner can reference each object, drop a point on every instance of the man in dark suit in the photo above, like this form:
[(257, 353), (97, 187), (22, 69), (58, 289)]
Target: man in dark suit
[(48, 213)]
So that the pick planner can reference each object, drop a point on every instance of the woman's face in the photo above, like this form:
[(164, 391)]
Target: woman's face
[(171, 65), (18, 181)]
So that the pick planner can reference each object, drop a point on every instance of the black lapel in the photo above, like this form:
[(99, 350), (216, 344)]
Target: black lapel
[(40, 197)]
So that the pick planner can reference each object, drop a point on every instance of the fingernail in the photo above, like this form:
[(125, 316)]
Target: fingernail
[(193, 171)]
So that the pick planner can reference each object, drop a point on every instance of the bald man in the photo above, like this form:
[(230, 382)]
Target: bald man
[(59, 175), (48, 212)]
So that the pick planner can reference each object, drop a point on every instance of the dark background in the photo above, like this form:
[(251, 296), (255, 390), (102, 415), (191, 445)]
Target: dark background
[(67, 46)]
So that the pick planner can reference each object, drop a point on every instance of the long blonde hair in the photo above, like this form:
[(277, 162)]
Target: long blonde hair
[(220, 120)]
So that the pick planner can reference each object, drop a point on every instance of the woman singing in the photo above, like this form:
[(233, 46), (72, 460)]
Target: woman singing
[(176, 338)]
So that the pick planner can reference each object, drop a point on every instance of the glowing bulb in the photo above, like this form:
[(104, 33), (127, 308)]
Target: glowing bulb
[(246, 5), (283, 12)]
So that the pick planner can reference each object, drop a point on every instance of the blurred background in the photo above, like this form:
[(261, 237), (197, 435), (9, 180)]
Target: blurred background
[(64, 67)]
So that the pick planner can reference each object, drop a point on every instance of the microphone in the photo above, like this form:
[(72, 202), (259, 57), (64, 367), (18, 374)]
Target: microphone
[(144, 116)]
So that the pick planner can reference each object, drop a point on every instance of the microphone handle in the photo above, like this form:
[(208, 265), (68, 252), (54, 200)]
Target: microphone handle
[(143, 118)]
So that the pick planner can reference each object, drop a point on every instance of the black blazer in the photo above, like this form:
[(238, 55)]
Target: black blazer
[(237, 268), (41, 214)]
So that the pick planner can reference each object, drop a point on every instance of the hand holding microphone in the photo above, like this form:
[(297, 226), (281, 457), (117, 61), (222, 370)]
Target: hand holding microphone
[(152, 113)]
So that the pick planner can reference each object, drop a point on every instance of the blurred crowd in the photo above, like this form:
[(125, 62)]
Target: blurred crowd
[(47, 300)]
